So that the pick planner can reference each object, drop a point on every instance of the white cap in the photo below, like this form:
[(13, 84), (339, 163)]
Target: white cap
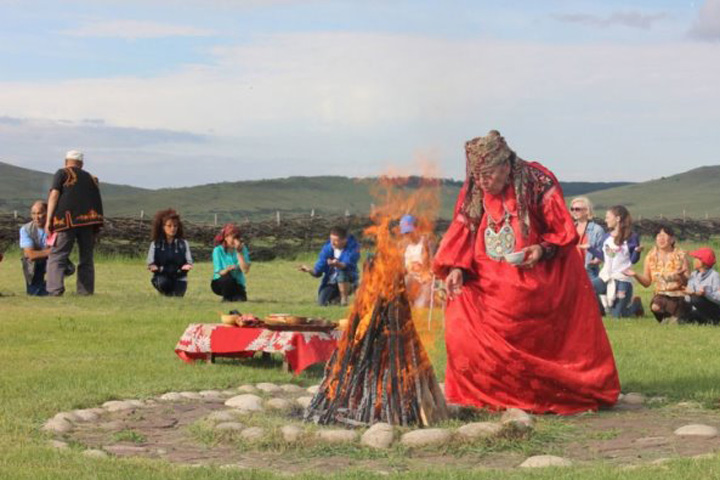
[(76, 155)]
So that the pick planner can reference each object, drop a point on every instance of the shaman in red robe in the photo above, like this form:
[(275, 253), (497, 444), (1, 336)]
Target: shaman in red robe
[(529, 338)]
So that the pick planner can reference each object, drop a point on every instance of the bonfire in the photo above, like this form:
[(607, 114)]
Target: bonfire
[(381, 371)]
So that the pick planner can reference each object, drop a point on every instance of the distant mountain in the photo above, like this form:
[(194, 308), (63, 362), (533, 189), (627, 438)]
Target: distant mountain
[(233, 201), (697, 192), (21, 186)]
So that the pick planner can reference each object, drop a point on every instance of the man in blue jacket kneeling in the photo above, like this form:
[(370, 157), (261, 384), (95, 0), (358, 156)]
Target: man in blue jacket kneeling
[(337, 264)]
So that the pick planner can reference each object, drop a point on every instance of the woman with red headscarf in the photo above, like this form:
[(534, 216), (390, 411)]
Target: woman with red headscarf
[(231, 261), (522, 325)]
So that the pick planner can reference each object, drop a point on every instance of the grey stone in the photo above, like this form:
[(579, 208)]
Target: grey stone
[(313, 390), (211, 396), (380, 436), (247, 402), (136, 403), (426, 437), (229, 426), (85, 415), (191, 395), (696, 430), (474, 431), (222, 416), (304, 402), (123, 450), (268, 387), (58, 444), (117, 406), (161, 451), (253, 434), (278, 404), (291, 388), (94, 453), (57, 425), (337, 436), (517, 419), (541, 461), (291, 433), (171, 397), (247, 389), (632, 398), (68, 416)]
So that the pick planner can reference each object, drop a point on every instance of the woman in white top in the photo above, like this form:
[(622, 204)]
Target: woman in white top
[(619, 251), (417, 256)]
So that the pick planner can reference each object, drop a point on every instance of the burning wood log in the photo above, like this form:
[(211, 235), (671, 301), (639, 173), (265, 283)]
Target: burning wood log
[(381, 374), (380, 371)]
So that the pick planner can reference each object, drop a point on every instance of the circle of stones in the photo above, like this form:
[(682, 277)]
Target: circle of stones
[(290, 398)]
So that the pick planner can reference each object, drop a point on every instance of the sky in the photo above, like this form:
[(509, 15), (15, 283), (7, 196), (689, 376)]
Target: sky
[(168, 93)]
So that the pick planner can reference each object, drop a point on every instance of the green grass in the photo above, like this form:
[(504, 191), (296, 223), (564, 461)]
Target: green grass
[(694, 191), (58, 354)]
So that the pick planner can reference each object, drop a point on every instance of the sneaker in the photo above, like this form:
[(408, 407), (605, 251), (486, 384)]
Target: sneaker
[(636, 307)]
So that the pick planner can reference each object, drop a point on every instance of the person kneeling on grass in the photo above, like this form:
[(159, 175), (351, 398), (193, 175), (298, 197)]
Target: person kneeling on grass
[(666, 267), (231, 261), (169, 256), (35, 251), (704, 288), (337, 264)]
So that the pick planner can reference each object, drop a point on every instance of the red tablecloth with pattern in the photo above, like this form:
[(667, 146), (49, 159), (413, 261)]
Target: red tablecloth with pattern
[(301, 349)]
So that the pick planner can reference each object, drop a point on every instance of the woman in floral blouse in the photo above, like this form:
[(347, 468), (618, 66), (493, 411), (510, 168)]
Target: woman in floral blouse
[(666, 266)]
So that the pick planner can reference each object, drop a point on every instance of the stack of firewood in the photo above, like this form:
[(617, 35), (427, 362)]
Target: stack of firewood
[(380, 373)]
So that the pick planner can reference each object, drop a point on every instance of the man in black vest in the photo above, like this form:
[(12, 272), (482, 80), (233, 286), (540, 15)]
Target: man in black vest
[(74, 213)]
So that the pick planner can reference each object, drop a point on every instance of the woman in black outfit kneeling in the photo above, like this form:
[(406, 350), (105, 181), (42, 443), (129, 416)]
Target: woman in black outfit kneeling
[(169, 257)]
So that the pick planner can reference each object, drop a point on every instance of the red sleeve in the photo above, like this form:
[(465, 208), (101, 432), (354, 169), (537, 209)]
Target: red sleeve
[(457, 245), (559, 226)]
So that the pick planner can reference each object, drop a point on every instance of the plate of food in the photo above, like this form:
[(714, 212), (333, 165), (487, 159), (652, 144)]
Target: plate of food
[(284, 319)]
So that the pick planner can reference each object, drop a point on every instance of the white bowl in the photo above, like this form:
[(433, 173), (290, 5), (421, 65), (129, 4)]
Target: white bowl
[(515, 258)]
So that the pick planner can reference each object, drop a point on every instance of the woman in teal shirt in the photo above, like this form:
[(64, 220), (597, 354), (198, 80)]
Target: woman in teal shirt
[(231, 261)]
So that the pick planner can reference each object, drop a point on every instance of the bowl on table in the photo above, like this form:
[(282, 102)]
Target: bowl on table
[(515, 258), (230, 320)]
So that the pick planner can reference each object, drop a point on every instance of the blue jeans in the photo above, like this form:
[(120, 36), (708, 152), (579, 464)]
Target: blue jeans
[(37, 286), (593, 271), (621, 307)]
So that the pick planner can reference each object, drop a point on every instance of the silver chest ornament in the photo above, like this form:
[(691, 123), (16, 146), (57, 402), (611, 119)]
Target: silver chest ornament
[(501, 242)]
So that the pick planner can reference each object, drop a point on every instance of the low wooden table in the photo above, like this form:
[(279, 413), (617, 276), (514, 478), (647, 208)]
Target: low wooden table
[(204, 341)]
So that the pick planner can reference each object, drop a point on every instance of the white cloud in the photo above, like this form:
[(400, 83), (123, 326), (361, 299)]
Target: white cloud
[(135, 29), (353, 103), (640, 20), (707, 24)]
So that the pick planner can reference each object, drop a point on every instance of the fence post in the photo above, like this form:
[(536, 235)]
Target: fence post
[(683, 215), (277, 217), (15, 214), (347, 212), (216, 219), (142, 215), (312, 213)]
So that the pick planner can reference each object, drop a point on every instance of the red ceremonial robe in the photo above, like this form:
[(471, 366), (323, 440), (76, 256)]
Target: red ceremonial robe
[(526, 338)]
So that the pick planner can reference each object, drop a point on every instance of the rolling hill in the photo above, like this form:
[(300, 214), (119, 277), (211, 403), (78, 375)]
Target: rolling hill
[(697, 192), (233, 201), (21, 186)]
